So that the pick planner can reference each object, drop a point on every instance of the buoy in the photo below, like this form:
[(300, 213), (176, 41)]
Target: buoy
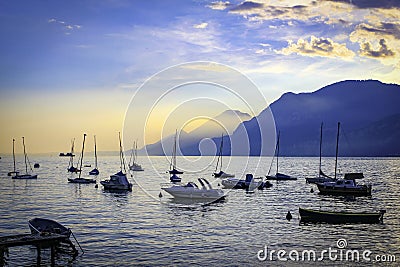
[(160, 195), (219, 185), (289, 216), (36, 165), (312, 190), (96, 186)]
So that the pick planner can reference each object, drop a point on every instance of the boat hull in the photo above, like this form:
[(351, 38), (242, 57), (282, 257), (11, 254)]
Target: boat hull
[(25, 176), (194, 193), (280, 177), (315, 216), (41, 226), (81, 181)]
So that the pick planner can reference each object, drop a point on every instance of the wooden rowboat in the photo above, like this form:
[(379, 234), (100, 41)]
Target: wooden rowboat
[(333, 217)]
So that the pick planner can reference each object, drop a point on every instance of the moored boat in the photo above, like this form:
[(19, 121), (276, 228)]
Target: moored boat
[(42, 226), (346, 186), (118, 181), (193, 191), (333, 217), (221, 174), (81, 180), (27, 175), (278, 176)]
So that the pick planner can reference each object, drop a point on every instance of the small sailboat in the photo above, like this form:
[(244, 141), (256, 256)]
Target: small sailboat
[(95, 171), (278, 176), (71, 167), (118, 181), (14, 170), (322, 177), (346, 186), (81, 180), (174, 172), (221, 174), (26, 175), (133, 165)]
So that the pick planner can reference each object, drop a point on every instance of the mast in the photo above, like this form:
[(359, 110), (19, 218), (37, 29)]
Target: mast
[(15, 170), (220, 154), (320, 150), (95, 152), (83, 148), (337, 147), (174, 152), (71, 158), (26, 165), (135, 155), (121, 153), (277, 152)]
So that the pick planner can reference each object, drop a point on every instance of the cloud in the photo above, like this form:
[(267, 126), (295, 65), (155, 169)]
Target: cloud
[(382, 52), (201, 25), (219, 5), (378, 40), (371, 4), (322, 47), (68, 28)]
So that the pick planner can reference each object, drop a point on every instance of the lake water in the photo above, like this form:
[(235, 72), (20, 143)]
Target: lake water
[(139, 228)]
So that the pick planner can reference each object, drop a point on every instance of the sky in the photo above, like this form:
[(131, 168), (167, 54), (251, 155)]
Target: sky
[(69, 67)]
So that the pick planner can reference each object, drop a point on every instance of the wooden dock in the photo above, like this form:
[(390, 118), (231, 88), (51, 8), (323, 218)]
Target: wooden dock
[(40, 241)]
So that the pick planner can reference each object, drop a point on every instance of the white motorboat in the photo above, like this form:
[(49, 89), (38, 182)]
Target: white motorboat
[(193, 191)]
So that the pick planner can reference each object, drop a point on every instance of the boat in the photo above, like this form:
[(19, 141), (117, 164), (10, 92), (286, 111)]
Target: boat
[(39, 226), (95, 171), (71, 167), (192, 191), (346, 186), (333, 217), (221, 174), (278, 176), (133, 165), (249, 183), (322, 177), (26, 175), (81, 180), (173, 171), (118, 181), (69, 154), (14, 172)]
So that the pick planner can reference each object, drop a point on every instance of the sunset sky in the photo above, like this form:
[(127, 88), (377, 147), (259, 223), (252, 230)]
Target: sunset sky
[(69, 67)]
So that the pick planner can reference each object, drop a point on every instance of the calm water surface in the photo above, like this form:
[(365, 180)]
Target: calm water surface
[(138, 228)]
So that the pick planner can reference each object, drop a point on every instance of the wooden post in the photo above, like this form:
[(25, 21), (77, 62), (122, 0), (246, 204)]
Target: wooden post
[(39, 257), (53, 253)]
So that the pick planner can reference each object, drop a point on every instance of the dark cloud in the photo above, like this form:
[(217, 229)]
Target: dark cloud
[(382, 28), (371, 3), (382, 52), (247, 5)]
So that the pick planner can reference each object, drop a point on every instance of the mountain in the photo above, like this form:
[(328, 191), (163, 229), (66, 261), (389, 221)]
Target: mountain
[(191, 143), (368, 112)]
